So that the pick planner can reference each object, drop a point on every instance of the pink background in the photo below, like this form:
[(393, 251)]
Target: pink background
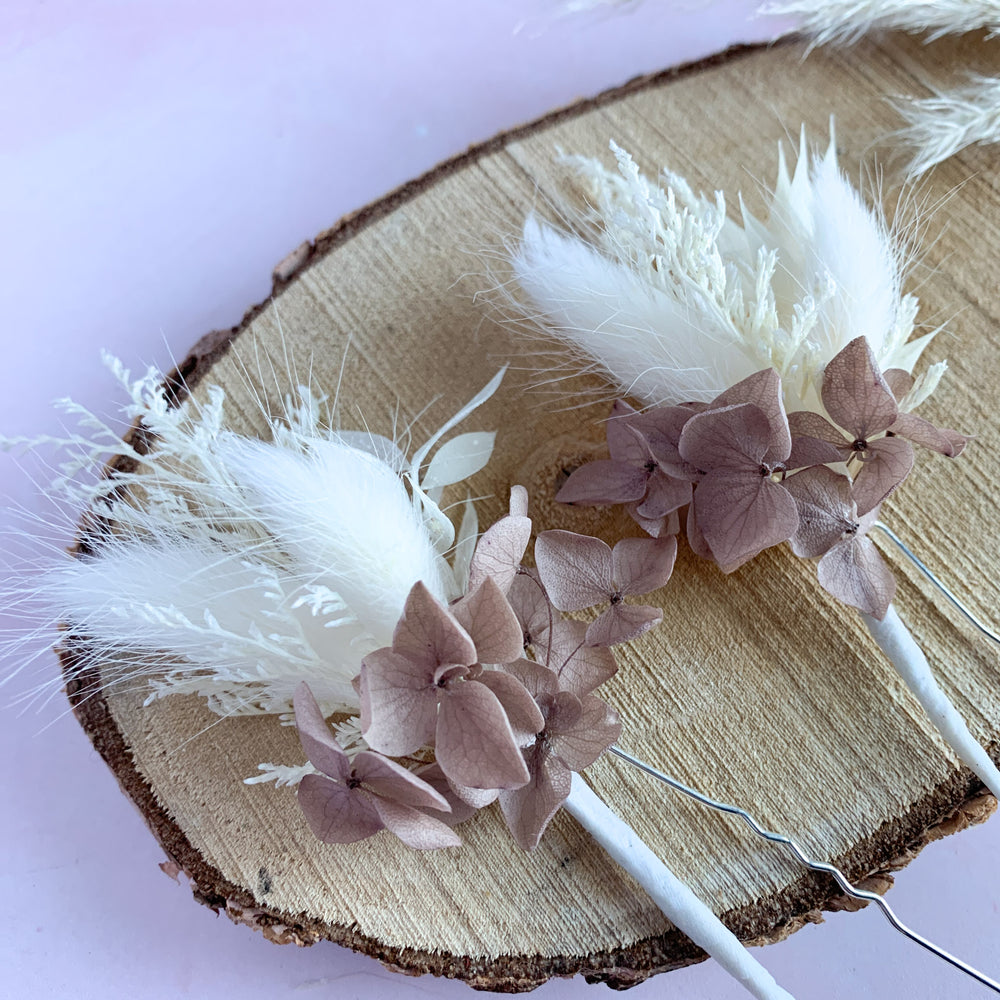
[(157, 159)]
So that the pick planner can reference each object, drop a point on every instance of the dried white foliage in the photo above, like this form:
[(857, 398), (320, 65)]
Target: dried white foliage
[(845, 21), (233, 568), (938, 127), (673, 300)]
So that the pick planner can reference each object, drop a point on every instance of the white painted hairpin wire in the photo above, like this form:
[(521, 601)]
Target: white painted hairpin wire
[(820, 866)]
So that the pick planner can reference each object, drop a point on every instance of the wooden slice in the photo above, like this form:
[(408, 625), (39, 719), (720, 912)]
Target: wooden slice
[(758, 688)]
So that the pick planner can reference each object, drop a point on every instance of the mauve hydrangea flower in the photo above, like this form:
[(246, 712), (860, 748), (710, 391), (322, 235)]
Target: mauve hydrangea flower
[(351, 800), (428, 688), (642, 471), (857, 398), (738, 445), (576, 731), (831, 529), (579, 572)]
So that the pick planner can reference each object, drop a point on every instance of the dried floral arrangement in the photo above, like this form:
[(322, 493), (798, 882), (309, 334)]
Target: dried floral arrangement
[(774, 376), (775, 368)]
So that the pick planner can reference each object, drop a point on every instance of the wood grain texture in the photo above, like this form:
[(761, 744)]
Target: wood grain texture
[(758, 688)]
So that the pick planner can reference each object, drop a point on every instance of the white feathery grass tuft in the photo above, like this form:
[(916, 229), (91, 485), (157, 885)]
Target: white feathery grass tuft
[(938, 127), (673, 300), (845, 21), (234, 568)]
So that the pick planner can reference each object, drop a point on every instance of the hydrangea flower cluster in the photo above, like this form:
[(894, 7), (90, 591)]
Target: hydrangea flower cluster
[(496, 685), (752, 476)]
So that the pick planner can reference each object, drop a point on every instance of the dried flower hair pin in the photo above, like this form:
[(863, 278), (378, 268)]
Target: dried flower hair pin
[(309, 572), (773, 363)]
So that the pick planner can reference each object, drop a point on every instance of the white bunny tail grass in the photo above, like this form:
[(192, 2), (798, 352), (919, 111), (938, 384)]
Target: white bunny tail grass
[(938, 127), (845, 21), (233, 568), (673, 300)]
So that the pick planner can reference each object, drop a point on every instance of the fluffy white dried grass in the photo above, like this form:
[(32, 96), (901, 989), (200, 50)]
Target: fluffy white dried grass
[(234, 569), (665, 294), (938, 127), (845, 21)]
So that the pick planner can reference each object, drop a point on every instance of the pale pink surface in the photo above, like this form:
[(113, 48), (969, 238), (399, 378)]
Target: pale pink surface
[(157, 160)]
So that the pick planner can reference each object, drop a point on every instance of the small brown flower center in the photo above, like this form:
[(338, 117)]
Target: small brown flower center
[(617, 597), (860, 445)]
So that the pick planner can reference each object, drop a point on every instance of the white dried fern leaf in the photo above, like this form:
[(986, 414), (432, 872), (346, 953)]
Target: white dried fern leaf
[(845, 21), (938, 127)]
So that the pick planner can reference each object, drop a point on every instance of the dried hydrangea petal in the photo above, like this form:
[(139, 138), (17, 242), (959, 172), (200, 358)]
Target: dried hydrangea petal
[(604, 482), (826, 509), (427, 634), (642, 565), (399, 707), (922, 432), (389, 780), (856, 574), (763, 390), (528, 810), (474, 742), (488, 618), (415, 828), (887, 463), (854, 392), (336, 814), (576, 570), (321, 749), (622, 623)]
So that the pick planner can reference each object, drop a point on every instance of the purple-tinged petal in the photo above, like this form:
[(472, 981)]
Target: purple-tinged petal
[(491, 623), (575, 569), (529, 810), (654, 527), (815, 441), (337, 814), (856, 574), (922, 432), (696, 537), (460, 810), (733, 438), (855, 394), (399, 711), (540, 682), (415, 828), (623, 443), (499, 551), (743, 515), (321, 749), (564, 713), (642, 565), (661, 427), (604, 482), (763, 390), (826, 509), (899, 382), (622, 623), (664, 495), (525, 719), (473, 798), (428, 635), (579, 667), (531, 607), (887, 463), (596, 729), (390, 780), (475, 744)]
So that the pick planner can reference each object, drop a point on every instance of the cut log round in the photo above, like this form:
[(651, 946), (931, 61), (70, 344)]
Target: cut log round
[(758, 689)]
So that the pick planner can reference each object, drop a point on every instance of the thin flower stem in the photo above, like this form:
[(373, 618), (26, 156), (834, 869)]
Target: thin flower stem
[(820, 866), (678, 903), (949, 594)]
